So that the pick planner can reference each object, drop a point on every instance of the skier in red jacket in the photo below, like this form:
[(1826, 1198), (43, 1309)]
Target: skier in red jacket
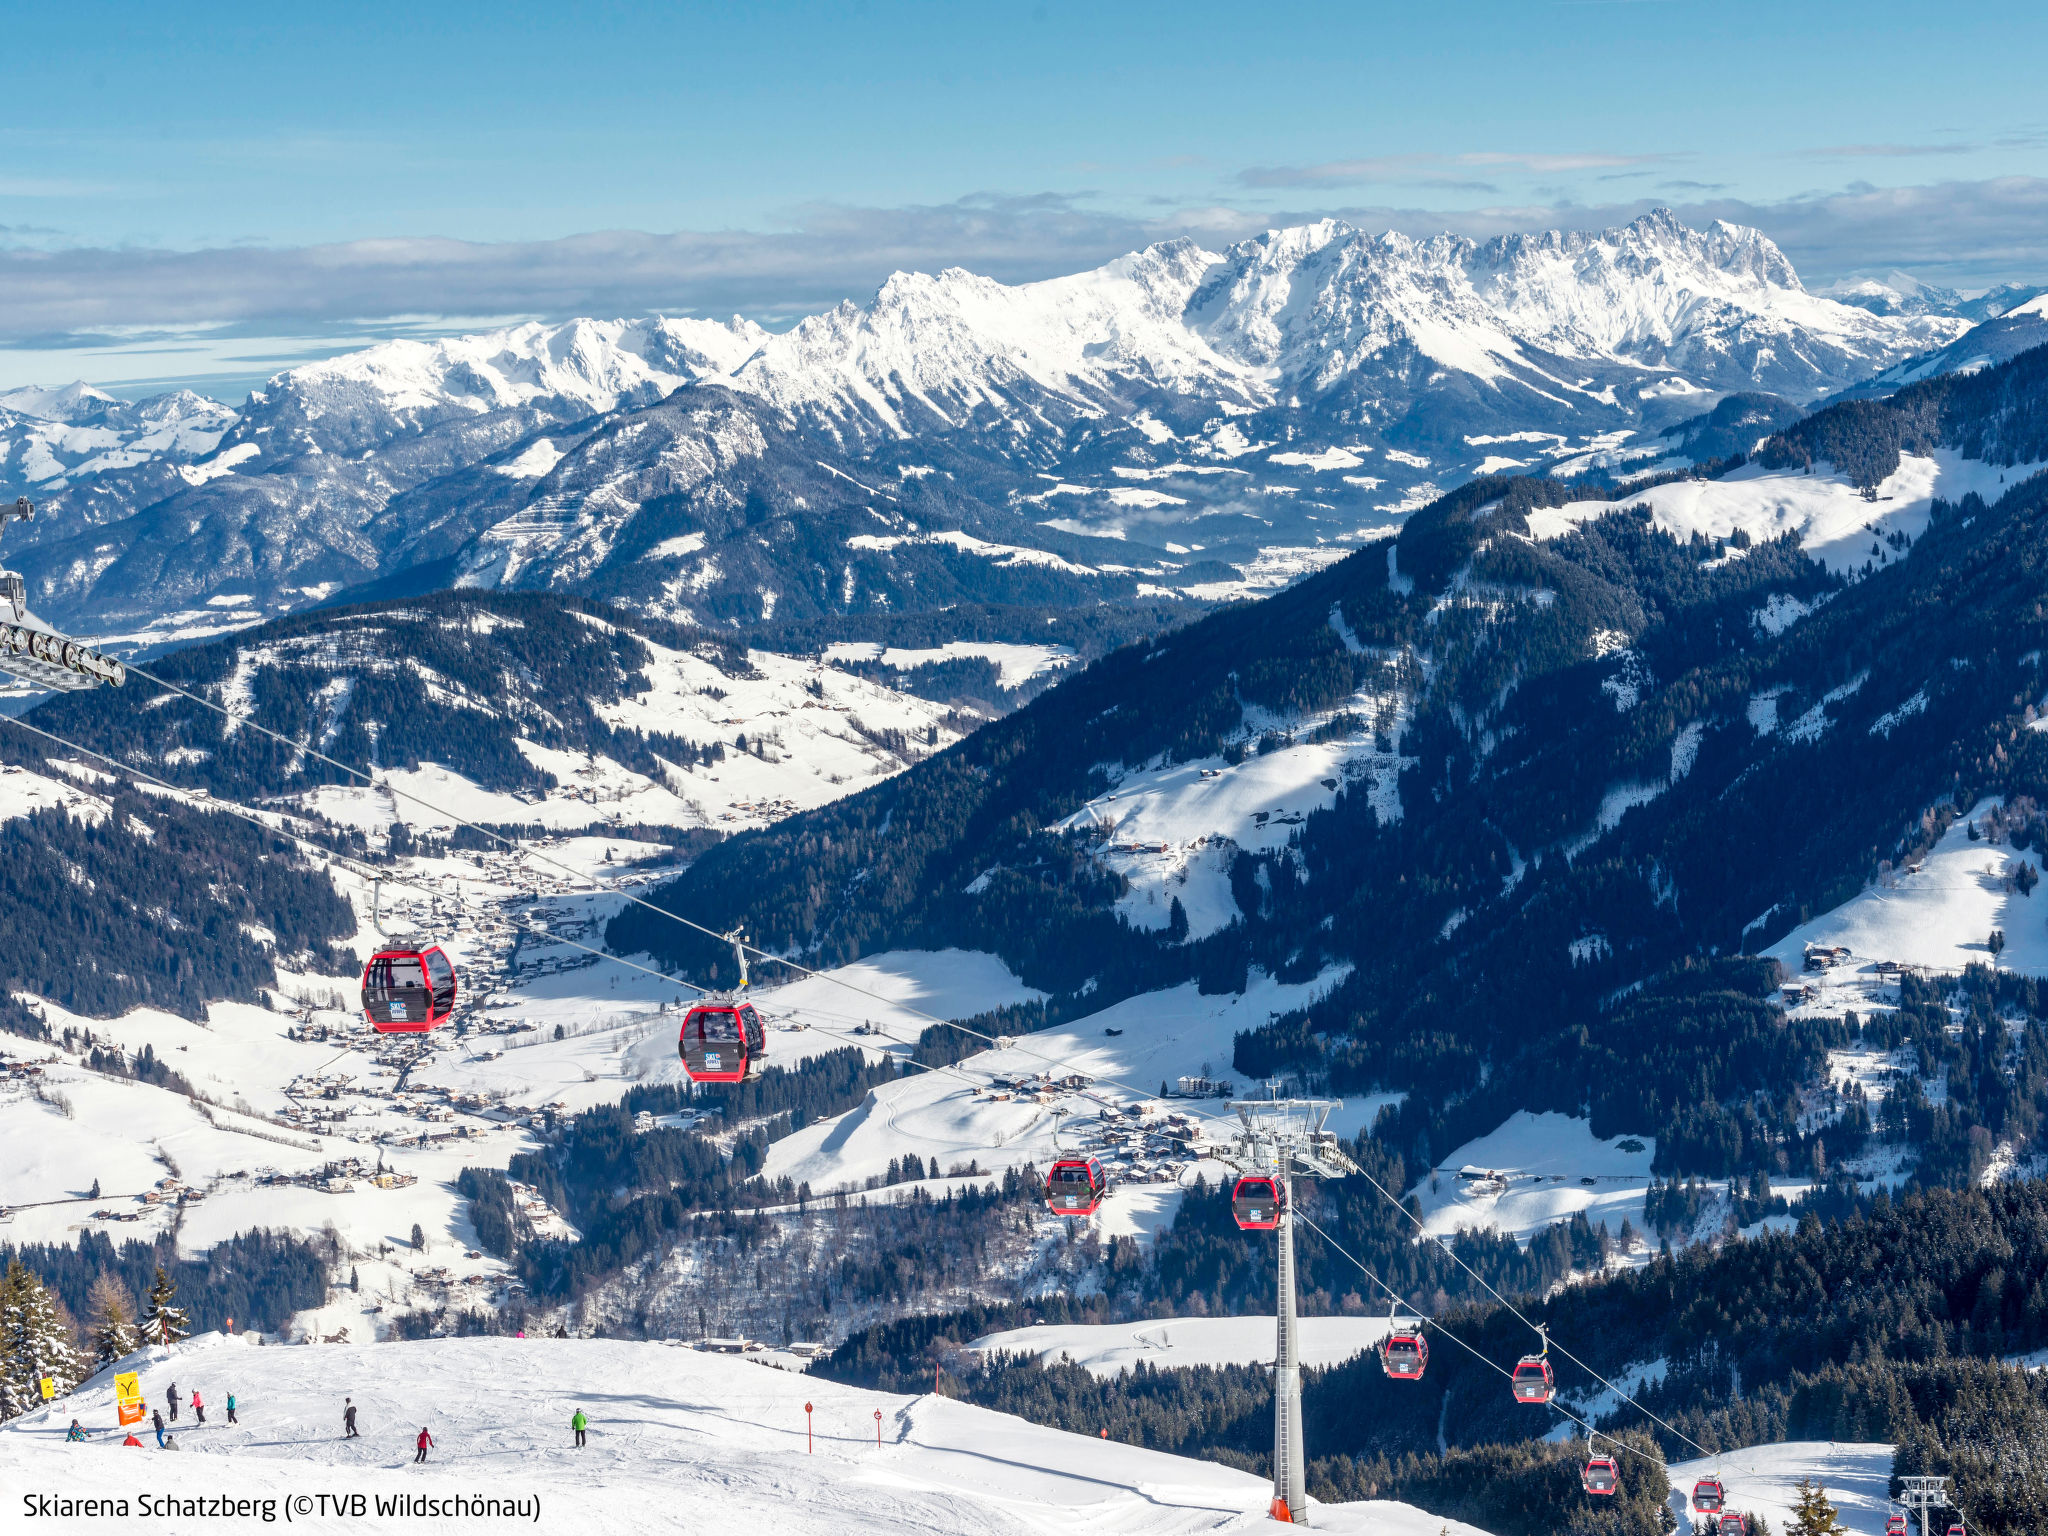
[(423, 1442)]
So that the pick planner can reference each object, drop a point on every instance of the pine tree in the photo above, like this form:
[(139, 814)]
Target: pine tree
[(1812, 1514), (419, 1239), (113, 1320), (163, 1323), (35, 1341)]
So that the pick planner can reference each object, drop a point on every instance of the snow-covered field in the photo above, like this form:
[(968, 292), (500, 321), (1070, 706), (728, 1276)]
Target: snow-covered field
[(967, 1114), (1108, 1348), (679, 1441), (1940, 916), (1015, 665), (1834, 523), (1761, 1480), (1536, 1170)]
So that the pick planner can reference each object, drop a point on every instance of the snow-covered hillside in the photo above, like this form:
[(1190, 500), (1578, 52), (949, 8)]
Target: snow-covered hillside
[(48, 436), (1835, 522), (678, 1441), (1106, 1349)]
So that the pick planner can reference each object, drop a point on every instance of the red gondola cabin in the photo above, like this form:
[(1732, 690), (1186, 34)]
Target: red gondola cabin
[(408, 991), (1731, 1524), (1601, 1476), (723, 1043), (1076, 1186), (1533, 1381), (1404, 1355), (1895, 1525), (1708, 1495), (1258, 1203)]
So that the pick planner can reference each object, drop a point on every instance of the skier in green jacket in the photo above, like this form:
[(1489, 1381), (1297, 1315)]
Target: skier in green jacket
[(579, 1424)]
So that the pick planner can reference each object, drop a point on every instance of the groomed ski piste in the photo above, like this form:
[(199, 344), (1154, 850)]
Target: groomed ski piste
[(679, 1440)]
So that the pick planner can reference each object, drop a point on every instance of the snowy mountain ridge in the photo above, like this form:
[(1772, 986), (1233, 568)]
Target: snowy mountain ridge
[(1301, 388)]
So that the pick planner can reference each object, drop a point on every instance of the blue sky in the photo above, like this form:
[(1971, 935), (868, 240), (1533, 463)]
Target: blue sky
[(184, 197)]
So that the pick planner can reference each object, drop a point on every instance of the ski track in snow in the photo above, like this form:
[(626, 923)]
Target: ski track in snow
[(679, 1441)]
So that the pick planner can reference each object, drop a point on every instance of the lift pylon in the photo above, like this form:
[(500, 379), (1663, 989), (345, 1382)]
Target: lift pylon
[(1282, 1139)]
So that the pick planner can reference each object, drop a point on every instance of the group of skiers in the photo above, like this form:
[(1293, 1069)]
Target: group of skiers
[(579, 1424)]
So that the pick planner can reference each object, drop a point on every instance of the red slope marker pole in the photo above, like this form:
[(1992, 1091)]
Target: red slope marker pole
[(809, 1448), (878, 1429)]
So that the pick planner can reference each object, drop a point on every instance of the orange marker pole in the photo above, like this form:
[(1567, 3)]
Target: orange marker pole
[(878, 1429)]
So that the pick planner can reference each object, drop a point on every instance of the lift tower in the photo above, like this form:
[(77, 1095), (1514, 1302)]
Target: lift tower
[(1283, 1139), (1924, 1495)]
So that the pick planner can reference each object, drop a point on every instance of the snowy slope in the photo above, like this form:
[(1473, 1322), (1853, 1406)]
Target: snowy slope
[(49, 436), (1835, 524), (1296, 390), (1762, 1479), (945, 350), (1534, 1171), (1140, 1042), (679, 1441), (1107, 1349), (1939, 916), (574, 369)]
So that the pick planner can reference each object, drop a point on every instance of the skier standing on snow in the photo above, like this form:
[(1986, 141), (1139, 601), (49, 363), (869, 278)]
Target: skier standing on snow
[(231, 1409), (198, 1408), (158, 1415), (579, 1424), (423, 1442), (348, 1420), (173, 1396)]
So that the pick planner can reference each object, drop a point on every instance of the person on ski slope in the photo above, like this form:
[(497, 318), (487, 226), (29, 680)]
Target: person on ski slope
[(348, 1420), (173, 1396), (158, 1415), (423, 1442), (579, 1423), (198, 1408), (231, 1409)]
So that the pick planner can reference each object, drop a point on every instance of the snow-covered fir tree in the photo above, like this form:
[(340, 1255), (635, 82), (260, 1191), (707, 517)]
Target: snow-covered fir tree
[(35, 1342), (113, 1320), (163, 1323), (1812, 1514)]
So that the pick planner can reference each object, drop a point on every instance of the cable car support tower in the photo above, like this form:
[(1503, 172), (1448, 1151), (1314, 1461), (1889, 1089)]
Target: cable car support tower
[(1924, 1495), (1284, 1139)]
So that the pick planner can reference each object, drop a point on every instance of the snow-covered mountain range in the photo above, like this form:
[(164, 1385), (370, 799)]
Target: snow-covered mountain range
[(1289, 393)]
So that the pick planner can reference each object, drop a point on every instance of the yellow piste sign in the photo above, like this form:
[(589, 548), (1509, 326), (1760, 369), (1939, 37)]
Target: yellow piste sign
[(128, 1397), (49, 1388)]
